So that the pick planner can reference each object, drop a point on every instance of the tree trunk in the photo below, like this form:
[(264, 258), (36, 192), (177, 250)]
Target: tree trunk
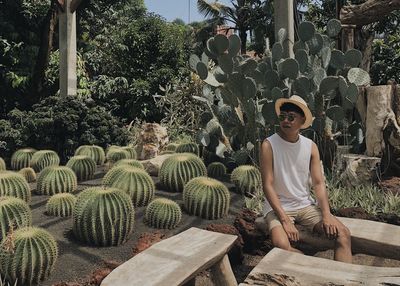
[(46, 45), (368, 12), (363, 42), (243, 39)]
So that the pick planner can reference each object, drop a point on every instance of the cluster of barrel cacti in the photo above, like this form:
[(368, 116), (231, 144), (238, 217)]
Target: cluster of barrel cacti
[(14, 213), (163, 213), (247, 179), (83, 167), (14, 185), (56, 179), (93, 151), (61, 205)]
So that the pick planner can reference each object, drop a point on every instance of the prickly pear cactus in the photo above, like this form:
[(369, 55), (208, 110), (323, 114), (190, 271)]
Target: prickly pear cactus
[(2, 164), (61, 205), (134, 181), (206, 197), (103, 217), (56, 179), (216, 170), (93, 151), (29, 174), (14, 185), (188, 148), (246, 179), (83, 167), (163, 213), (14, 213), (27, 256), (130, 162), (22, 158), (44, 158), (178, 169)]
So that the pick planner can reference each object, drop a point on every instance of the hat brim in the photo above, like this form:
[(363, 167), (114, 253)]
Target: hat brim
[(306, 110)]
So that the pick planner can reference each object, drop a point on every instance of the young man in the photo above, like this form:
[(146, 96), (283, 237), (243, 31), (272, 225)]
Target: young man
[(287, 160)]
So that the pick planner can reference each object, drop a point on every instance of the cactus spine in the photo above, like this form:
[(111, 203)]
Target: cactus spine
[(134, 181), (83, 167), (44, 158), (14, 213), (29, 174), (93, 151), (32, 257), (179, 169), (2, 165), (130, 162), (188, 148), (246, 179), (61, 205), (56, 179), (206, 197), (14, 185), (216, 170), (22, 158), (163, 213), (103, 217)]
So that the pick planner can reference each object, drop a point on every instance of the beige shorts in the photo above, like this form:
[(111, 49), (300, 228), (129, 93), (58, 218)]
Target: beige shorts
[(307, 217)]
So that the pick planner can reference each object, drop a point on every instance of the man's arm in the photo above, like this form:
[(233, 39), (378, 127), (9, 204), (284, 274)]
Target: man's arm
[(329, 224), (267, 176)]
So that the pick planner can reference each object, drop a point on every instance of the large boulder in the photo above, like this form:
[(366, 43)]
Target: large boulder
[(358, 169), (153, 165), (152, 139)]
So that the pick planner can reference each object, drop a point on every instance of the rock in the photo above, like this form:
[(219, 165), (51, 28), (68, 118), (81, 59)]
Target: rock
[(152, 166), (358, 169), (236, 252), (152, 139), (391, 185), (146, 240)]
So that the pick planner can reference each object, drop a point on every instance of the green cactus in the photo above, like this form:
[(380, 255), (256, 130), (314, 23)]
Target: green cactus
[(103, 217), (134, 181), (61, 205), (14, 213), (353, 58), (163, 213), (306, 31), (206, 197), (93, 151), (44, 158), (115, 154), (246, 179), (216, 170), (14, 185), (167, 152), (83, 167), (56, 179), (130, 162), (178, 169), (28, 256), (333, 28), (188, 148), (2, 165), (22, 158), (358, 76), (29, 174), (171, 147)]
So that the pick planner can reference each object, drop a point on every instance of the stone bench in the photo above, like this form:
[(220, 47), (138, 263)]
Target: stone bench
[(177, 260), (367, 237), (281, 267)]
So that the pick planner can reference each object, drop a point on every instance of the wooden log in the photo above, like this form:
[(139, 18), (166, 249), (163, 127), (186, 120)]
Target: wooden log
[(222, 274)]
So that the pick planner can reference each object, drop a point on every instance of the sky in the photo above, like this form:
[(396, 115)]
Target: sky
[(172, 9)]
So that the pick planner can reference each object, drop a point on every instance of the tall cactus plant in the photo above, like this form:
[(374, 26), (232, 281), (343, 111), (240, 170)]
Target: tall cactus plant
[(56, 179), (93, 151), (27, 256), (22, 158), (44, 158), (14, 213), (103, 217), (14, 185)]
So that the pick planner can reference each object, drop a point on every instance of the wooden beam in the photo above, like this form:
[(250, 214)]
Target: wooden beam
[(368, 12), (74, 5)]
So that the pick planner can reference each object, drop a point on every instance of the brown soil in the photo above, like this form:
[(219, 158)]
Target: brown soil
[(390, 185)]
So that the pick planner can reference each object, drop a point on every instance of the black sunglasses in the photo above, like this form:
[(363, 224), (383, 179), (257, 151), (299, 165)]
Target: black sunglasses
[(290, 117)]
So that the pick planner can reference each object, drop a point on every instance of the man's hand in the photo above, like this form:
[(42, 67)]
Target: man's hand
[(291, 230), (330, 227)]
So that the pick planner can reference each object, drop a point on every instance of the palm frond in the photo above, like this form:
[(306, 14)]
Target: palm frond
[(210, 10)]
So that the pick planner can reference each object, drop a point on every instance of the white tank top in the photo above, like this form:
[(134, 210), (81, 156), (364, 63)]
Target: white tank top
[(291, 167)]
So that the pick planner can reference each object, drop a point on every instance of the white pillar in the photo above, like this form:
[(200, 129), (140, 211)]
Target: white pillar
[(67, 43), (284, 18)]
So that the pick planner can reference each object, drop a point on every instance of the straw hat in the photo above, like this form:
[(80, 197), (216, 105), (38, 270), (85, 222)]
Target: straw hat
[(296, 100)]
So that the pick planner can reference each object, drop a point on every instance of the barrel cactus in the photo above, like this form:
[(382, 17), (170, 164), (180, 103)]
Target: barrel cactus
[(130, 162), (22, 158), (29, 174), (131, 150), (83, 167), (27, 256), (116, 154), (14, 213), (188, 148), (167, 152), (247, 179), (206, 197), (93, 151), (14, 185), (216, 170), (134, 181), (61, 205), (103, 217), (171, 147), (56, 179), (178, 169), (44, 158), (2, 164), (163, 213)]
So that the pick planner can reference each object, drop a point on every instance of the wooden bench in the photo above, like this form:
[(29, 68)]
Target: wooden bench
[(368, 237), (281, 267), (177, 260)]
